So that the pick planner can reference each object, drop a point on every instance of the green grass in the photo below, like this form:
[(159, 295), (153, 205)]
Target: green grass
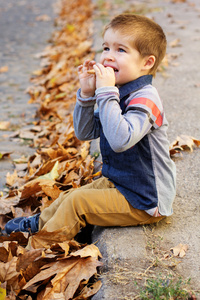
[(166, 288)]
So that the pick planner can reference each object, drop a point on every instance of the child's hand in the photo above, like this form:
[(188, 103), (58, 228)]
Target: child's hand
[(104, 76), (87, 81)]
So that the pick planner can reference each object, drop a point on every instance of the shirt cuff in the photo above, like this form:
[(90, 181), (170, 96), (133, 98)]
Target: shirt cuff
[(107, 90), (153, 212), (85, 101)]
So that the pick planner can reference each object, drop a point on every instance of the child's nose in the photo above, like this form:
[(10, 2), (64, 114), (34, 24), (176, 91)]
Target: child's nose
[(110, 57)]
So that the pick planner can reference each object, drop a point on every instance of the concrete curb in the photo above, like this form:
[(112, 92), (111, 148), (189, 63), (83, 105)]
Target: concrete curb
[(125, 249)]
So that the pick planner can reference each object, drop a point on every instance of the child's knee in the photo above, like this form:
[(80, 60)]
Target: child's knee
[(79, 200)]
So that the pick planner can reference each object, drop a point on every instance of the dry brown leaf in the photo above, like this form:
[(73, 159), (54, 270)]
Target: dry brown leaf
[(64, 246), (27, 258), (7, 202), (175, 43), (44, 239), (183, 142), (52, 191), (89, 250), (50, 270), (89, 291), (43, 18), (21, 237), (4, 69), (4, 154), (8, 273), (4, 125), (67, 283), (180, 250), (178, 1), (11, 178)]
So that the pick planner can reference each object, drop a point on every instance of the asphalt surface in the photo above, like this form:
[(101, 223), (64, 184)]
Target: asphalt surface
[(22, 36)]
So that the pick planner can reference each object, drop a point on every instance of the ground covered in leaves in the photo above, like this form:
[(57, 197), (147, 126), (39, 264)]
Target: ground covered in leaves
[(51, 267)]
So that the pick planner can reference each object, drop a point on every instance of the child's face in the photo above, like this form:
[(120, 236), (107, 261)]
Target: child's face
[(122, 57)]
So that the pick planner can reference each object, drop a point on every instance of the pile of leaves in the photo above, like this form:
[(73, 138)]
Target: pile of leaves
[(61, 161), (45, 265), (61, 271)]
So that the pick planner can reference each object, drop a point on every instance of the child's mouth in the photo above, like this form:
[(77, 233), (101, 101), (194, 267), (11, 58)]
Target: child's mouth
[(114, 69)]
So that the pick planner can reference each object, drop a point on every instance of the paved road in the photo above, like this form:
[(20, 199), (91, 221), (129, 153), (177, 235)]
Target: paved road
[(21, 37)]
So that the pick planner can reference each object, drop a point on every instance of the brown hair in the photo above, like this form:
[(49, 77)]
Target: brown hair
[(145, 35)]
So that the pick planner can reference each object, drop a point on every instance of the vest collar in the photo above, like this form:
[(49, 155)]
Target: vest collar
[(135, 85)]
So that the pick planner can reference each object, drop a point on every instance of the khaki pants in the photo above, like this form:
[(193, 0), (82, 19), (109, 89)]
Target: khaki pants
[(98, 203)]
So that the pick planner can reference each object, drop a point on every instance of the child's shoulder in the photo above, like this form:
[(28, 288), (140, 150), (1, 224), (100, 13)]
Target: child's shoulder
[(147, 92)]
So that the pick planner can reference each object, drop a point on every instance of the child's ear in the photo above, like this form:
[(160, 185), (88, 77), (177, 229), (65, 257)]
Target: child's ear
[(149, 62)]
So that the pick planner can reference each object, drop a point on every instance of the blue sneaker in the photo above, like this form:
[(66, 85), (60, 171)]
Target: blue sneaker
[(24, 224)]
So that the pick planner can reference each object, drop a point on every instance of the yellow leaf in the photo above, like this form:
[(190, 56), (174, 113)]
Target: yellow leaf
[(2, 293), (53, 175)]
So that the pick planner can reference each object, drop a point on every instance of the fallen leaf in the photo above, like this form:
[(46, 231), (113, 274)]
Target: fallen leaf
[(43, 18), (4, 125), (4, 154), (89, 250), (25, 259), (2, 293), (183, 142), (180, 250), (175, 43), (9, 274), (178, 1), (68, 282), (4, 69), (44, 239), (89, 291), (7, 202), (52, 175)]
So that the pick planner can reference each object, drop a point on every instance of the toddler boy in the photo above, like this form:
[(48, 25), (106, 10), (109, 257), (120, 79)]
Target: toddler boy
[(138, 182)]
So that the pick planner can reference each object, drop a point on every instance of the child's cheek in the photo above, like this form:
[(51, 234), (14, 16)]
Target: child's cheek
[(101, 59)]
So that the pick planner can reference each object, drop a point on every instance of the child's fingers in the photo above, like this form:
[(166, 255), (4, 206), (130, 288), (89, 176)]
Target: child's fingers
[(110, 70), (87, 66), (98, 68), (80, 69), (92, 63)]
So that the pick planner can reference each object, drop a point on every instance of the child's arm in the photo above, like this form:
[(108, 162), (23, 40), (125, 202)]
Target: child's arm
[(86, 121), (122, 131), (86, 124)]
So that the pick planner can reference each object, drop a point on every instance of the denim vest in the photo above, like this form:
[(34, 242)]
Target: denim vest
[(131, 171)]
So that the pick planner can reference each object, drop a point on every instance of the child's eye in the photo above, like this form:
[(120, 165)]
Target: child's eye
[(121, 50), (106, 49)]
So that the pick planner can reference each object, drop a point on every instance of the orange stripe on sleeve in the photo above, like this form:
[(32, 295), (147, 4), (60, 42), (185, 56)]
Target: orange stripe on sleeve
[(150, 104)]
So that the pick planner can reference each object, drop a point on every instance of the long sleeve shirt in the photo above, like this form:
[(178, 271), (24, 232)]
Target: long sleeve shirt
[(132, 127)]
